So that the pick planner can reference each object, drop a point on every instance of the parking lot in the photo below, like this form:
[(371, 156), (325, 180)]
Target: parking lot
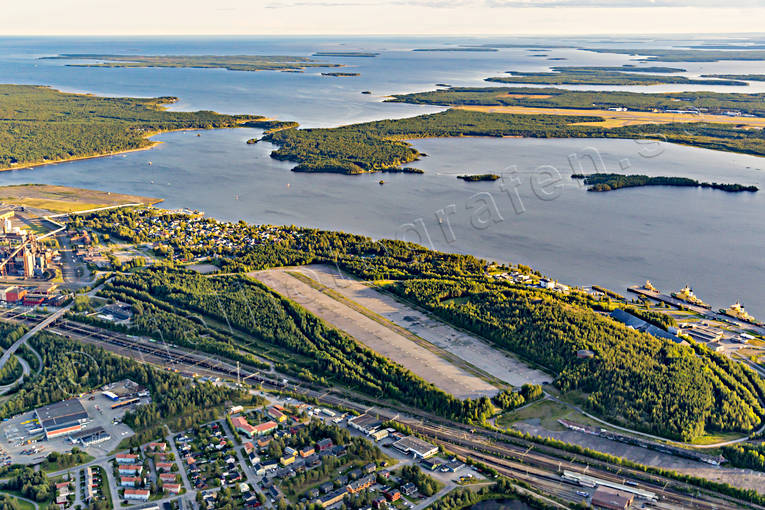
[(19, 446)]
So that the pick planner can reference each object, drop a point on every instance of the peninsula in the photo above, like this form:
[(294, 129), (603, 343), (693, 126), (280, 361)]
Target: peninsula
[(40, 125)]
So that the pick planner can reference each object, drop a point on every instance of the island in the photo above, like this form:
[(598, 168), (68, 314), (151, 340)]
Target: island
[(379, 145), (344, 54), (607, 76), (743, 77), (341, 75), (230, 62), (404, 170), (601, 182), (478, 177), (692, 102), (40, 125), (462, 48), (689, 55)]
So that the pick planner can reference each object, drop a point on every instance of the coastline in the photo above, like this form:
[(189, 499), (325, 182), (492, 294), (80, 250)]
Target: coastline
[(147, 136), (30, 166)]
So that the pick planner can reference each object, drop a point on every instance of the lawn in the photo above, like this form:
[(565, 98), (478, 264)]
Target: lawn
[(20, 503), (547, 412)]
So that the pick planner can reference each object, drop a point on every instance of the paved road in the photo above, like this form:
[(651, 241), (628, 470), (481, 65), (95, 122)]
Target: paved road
[(42, 325), (651, 436), (248, 472), (24, 499), (171, 442)]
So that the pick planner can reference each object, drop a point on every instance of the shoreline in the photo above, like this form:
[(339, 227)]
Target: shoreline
[(32, 166), (147, 136)]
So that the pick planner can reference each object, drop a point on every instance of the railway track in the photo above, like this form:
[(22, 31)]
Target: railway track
[(514, 457)]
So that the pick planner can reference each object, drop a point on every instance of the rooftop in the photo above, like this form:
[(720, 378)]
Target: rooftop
[(66, 411)]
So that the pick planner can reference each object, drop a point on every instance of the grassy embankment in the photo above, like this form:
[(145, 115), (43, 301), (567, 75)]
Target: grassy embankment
[(64, 199)]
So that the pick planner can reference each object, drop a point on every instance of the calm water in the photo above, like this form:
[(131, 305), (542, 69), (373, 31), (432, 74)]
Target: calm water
[(710, 239)]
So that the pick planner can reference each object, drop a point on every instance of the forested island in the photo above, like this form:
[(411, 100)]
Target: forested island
[(230, 62), (379, 145), (745, 77), (602, 76), (690, 55), (342, 54), (460, 48), (701, 101), (41, 125), (610, 182), (478, 177), (341, 75)]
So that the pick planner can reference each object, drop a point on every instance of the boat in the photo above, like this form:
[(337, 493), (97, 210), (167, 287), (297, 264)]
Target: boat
[(381, 182)]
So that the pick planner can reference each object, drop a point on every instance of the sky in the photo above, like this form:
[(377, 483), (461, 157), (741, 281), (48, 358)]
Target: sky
[(370, 17)]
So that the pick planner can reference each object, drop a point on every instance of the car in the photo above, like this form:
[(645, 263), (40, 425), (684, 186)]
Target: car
[(582, 493)]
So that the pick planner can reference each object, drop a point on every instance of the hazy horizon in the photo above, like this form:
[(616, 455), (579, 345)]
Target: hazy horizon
[(398, 17)]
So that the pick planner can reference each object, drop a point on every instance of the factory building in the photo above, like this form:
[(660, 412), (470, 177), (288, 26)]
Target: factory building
[(61, 418)]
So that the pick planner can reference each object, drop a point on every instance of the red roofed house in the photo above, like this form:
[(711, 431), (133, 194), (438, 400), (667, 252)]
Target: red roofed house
[(164, 466), (241, 425), (130, 470), (126, 458), (173, 488), (276, 414), (157, 447), (168, 477), (129, 481), (265, 428), (140, 494)]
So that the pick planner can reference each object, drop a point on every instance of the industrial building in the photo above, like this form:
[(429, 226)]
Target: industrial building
[(611, 500), (61, 418), (365, 423), (415, 446), (639, 324), (91, 437)]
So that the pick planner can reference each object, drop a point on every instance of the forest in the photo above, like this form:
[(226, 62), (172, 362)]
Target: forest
[(744, 77), (229, 62), (380, 145), (549, 97), (603, 76), (746, 455), (610, 182), (71, 368), (634, 379), (40, 124), (322, 353), (688, 55), (478, 177)]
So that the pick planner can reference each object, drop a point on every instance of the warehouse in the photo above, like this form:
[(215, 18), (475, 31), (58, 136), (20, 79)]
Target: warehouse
[(417, 447), (91, 437), (61, 418), (365, 423)]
